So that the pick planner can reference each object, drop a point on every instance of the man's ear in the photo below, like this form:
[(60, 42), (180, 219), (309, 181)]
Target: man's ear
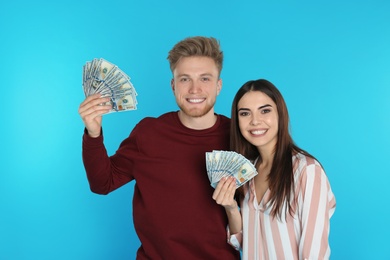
[(173, 85), (219, 86)]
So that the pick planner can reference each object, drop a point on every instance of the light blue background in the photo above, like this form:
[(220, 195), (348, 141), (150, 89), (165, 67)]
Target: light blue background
[(330, 59)]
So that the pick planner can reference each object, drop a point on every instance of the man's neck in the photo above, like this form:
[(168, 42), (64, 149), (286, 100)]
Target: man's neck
[(198, 123)]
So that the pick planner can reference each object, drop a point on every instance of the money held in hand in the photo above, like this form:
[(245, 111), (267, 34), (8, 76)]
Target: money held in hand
[(101, 76), (221, 164)]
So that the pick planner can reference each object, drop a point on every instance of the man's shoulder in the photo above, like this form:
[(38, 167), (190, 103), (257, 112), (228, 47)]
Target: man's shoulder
[(172, 119), (224, 119), (148, 121)]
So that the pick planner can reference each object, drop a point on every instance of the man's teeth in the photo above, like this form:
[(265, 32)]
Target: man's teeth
[(258, 132), (198, 100)]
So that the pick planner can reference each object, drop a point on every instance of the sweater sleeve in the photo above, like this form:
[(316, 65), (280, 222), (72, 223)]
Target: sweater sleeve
[(102, 173), (318, 204), (235, 240)]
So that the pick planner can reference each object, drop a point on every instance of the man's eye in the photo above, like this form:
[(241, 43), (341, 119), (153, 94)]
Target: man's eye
[(205, 79), (184, 79)]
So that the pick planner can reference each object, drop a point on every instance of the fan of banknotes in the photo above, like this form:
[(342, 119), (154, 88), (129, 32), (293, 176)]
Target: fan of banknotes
[(221, 164), (101, 76)]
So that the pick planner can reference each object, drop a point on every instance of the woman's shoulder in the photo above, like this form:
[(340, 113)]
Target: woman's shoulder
[(304, 164), (303, 159)]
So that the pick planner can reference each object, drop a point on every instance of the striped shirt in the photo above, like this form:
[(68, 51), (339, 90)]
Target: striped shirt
[(301, 236)]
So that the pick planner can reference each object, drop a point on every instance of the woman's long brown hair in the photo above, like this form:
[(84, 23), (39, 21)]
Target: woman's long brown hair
[(281, 177)]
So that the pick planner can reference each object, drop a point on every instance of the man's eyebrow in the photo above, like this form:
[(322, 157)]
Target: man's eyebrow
[(202, 75), (206, 74), (183, 75)]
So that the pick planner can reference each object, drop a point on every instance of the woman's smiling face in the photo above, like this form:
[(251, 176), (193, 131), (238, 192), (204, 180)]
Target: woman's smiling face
[(258, 120)]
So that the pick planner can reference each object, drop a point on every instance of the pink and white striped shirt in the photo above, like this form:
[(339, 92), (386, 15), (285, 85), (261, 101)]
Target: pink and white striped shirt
[(301, 236)]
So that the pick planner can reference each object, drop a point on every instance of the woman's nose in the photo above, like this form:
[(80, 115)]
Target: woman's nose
[(254, 121)]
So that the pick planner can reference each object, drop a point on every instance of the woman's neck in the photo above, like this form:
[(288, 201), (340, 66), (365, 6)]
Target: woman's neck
[(265, 164)]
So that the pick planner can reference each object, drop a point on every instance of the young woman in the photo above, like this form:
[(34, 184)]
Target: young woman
[(285, 210)]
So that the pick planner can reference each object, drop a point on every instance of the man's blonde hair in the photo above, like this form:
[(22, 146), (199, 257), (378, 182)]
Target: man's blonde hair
[(196, 46)]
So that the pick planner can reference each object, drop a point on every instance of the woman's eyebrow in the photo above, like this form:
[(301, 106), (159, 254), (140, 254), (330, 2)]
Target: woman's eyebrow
[(261, 107), (267, 105)]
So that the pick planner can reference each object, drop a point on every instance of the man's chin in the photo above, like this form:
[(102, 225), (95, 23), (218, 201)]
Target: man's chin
[(196, 112)]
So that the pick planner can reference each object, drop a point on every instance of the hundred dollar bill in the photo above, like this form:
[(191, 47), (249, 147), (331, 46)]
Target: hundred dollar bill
[(221, 164), (104, 77)]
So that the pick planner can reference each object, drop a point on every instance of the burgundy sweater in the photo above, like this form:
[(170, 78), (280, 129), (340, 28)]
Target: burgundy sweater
[(174, 214)]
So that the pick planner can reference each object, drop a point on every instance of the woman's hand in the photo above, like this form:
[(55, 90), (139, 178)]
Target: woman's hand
[(224, 193), (224, 196)]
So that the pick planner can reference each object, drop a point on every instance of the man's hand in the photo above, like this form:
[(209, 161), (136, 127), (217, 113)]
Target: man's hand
[(91, 112)]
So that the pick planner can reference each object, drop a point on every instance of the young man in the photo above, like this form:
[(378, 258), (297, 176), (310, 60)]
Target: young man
[(174, 214)]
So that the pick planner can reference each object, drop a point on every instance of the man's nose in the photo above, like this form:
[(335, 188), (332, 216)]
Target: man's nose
[(195, 87)]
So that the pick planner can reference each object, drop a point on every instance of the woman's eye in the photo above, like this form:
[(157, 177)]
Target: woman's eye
[(265, 111), (243, 114)]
